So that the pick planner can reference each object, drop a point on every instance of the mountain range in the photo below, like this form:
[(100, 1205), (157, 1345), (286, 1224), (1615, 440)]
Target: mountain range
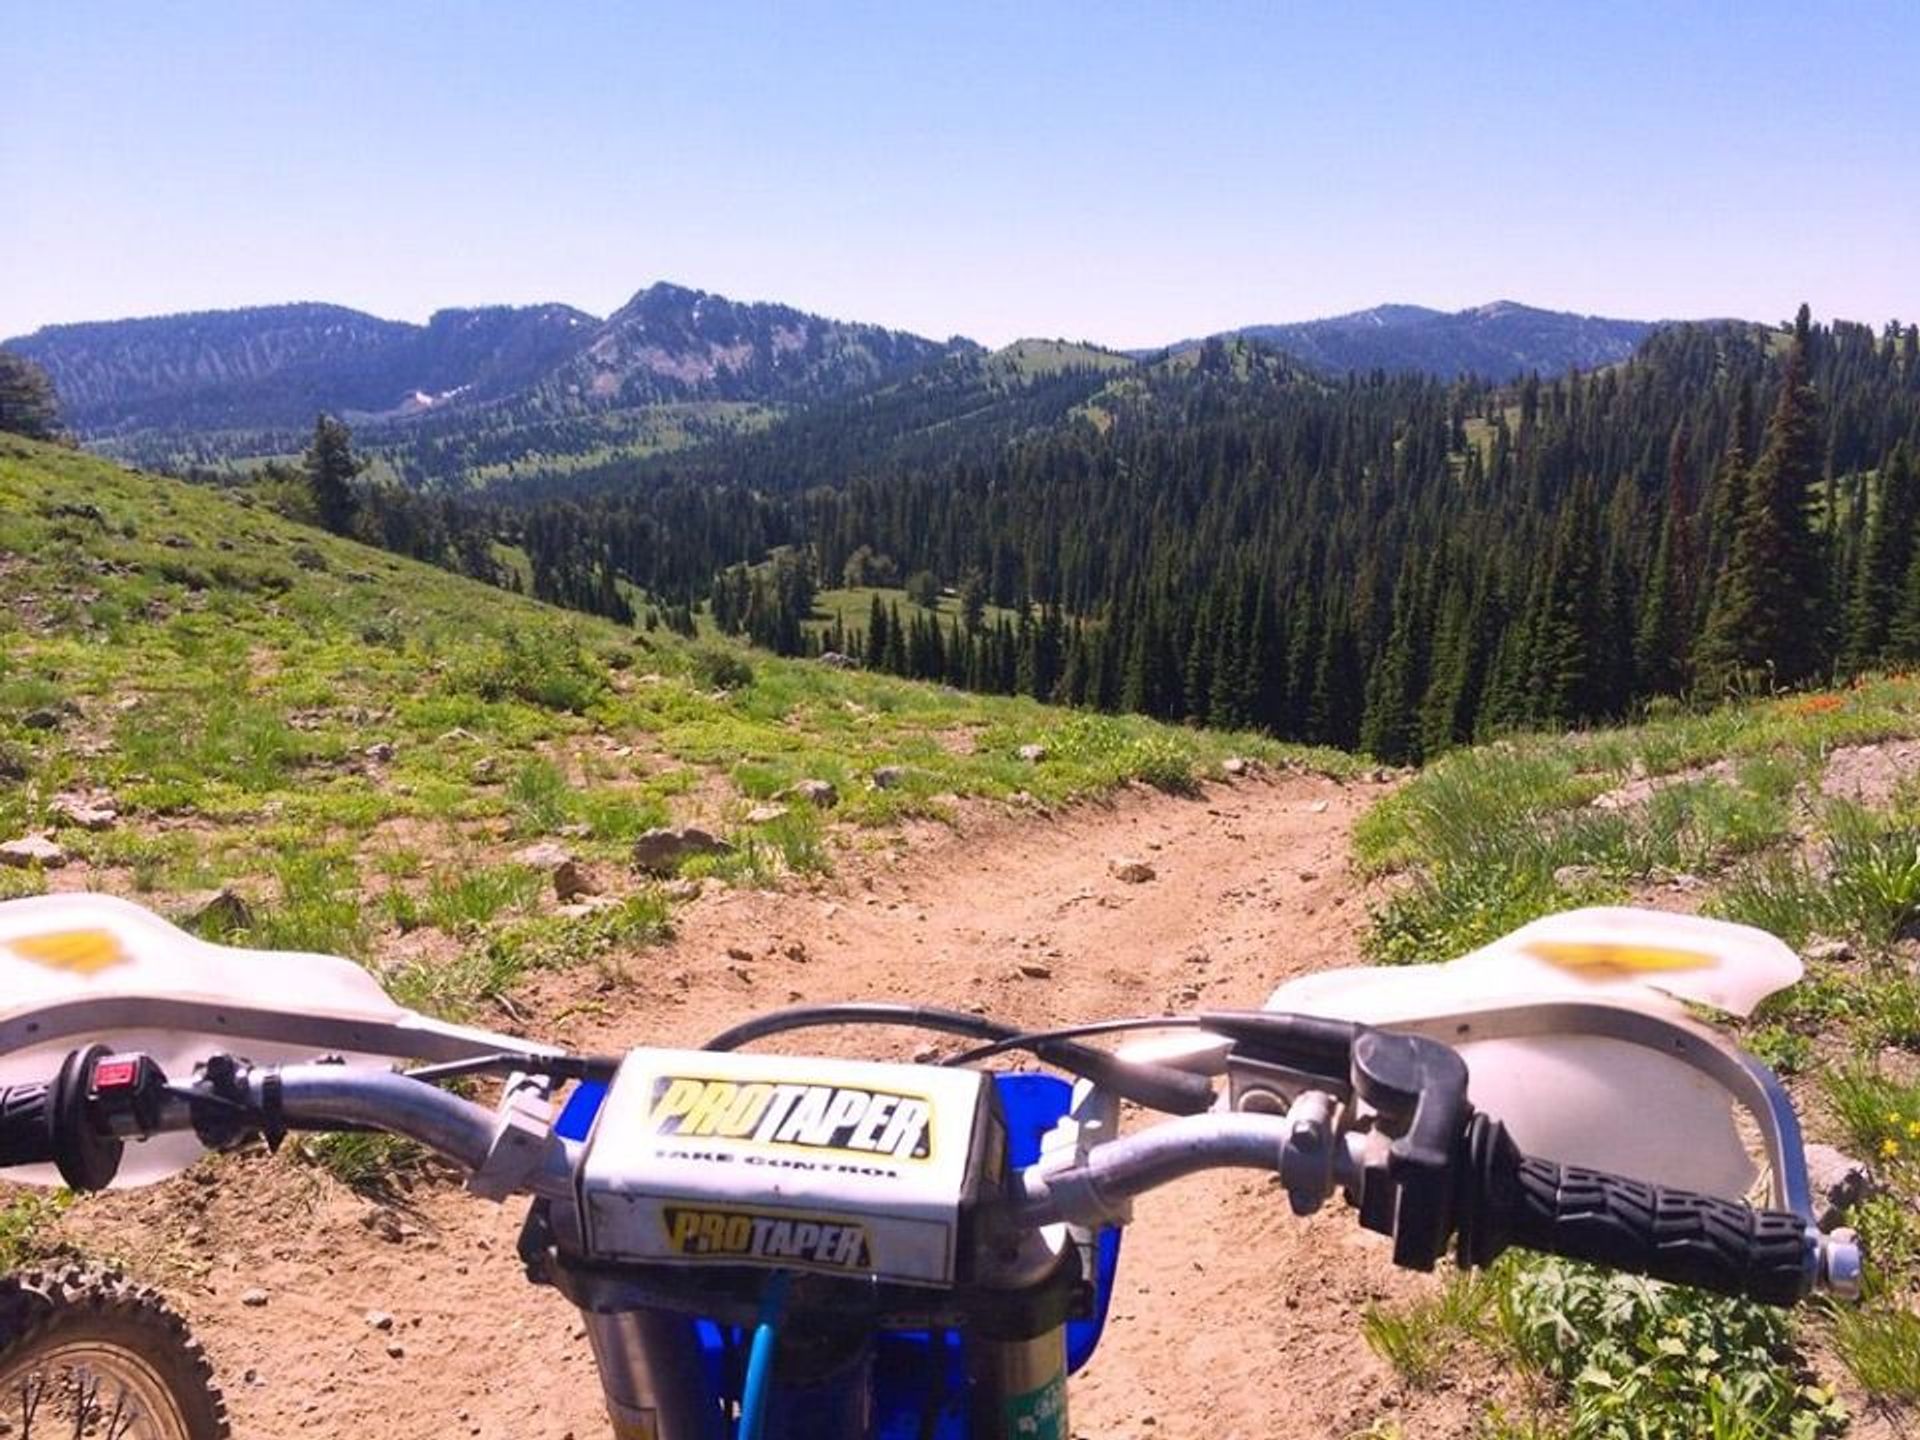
[(501, 385), (1500, 341), (275, 366)]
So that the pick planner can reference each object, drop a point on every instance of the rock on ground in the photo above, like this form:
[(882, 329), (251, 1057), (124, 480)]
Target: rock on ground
[(1130, 871), (211, 912), (659, 852), (1838, 1181), (93, 810), (821, 793), (572, 881), (33, 850), (544, 855)]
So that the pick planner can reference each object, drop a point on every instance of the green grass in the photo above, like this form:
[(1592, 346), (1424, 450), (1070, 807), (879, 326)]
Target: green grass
[(1031, 357), (318, 908), (852, 605), (1881, 1346), (1421, 1338), (467, 899), (1488, 838)]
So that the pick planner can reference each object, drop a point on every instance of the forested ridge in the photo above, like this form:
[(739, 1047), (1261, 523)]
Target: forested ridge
[(1393, 562)]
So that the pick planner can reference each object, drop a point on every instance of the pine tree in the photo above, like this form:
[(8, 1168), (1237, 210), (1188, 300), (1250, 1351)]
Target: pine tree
[(973, 601), (1388, 729), (898, 659), (27, 404), (1765, 622), (331, 467), (878, 635), (1333, 716), (1721, 515), (1884, 560), (1567, 680), (1663, 641)]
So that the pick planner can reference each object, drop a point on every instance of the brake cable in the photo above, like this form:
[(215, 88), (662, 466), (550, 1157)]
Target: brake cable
[(1158, 1087), (1029, 1039)]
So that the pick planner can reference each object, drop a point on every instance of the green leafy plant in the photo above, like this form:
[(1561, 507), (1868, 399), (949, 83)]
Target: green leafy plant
[(24, 1219), (1875, 875), (1635, 1359)]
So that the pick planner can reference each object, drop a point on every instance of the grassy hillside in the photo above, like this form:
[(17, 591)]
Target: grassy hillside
[(1027, 358), (360, 743), (1800, 815)]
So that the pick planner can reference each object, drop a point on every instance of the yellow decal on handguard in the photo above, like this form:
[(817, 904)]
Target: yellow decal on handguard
[(1607, 960), (84, 952)]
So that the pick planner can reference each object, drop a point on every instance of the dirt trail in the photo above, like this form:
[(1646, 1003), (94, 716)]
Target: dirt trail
[(1232, 1319)]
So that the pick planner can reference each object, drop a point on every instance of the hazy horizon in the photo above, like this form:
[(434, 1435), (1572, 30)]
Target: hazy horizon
[(1129, 175)]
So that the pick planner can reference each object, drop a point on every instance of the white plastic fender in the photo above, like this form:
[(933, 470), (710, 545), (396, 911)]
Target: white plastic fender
[(56, 949)]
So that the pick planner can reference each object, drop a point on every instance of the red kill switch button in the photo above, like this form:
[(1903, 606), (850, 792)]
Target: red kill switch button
[(115, 1074)]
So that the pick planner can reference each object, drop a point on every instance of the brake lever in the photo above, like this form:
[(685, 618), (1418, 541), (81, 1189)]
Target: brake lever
[(1417, 1086)]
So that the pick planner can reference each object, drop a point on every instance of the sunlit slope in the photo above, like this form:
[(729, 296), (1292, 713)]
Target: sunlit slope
[(249, 693)]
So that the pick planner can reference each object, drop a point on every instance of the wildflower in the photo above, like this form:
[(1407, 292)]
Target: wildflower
[(1889, 1149), (1913, 1129)]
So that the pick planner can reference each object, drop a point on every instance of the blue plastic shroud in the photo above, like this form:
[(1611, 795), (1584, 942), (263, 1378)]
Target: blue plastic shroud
[(915, 1371)]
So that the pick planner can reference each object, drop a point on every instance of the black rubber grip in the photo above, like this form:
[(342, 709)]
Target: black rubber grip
[(26, 1133), (1677, 1235)]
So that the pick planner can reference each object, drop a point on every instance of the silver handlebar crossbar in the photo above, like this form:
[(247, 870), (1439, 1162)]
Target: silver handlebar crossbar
[(1096, 1190), (312, 1096)]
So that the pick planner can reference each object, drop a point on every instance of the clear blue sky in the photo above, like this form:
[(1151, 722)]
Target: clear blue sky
[(1129, 173)]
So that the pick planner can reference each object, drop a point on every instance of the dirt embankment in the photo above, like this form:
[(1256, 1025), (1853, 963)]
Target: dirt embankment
[(331, 1316)]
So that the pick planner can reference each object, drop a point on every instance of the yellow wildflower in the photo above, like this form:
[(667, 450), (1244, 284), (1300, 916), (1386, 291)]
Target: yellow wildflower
[(1889, 1149)]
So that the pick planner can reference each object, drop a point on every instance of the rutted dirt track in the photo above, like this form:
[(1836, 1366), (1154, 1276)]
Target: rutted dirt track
[(1232, 1318)]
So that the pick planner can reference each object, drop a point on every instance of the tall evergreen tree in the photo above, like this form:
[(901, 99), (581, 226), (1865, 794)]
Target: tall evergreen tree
[(1884, 559), (27, 404), (330, 468), (1766, 622), (1663, 642)]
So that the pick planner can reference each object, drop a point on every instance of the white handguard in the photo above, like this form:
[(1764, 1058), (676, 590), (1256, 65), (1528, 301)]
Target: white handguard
[(1565, 1093), (76, 970)]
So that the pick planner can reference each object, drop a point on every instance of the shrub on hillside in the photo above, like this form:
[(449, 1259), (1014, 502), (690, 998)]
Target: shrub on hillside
[(719, 668), (551, 671)]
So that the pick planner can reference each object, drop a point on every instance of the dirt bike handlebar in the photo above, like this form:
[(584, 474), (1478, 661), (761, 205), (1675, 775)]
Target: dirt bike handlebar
[(1500, 1196)]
